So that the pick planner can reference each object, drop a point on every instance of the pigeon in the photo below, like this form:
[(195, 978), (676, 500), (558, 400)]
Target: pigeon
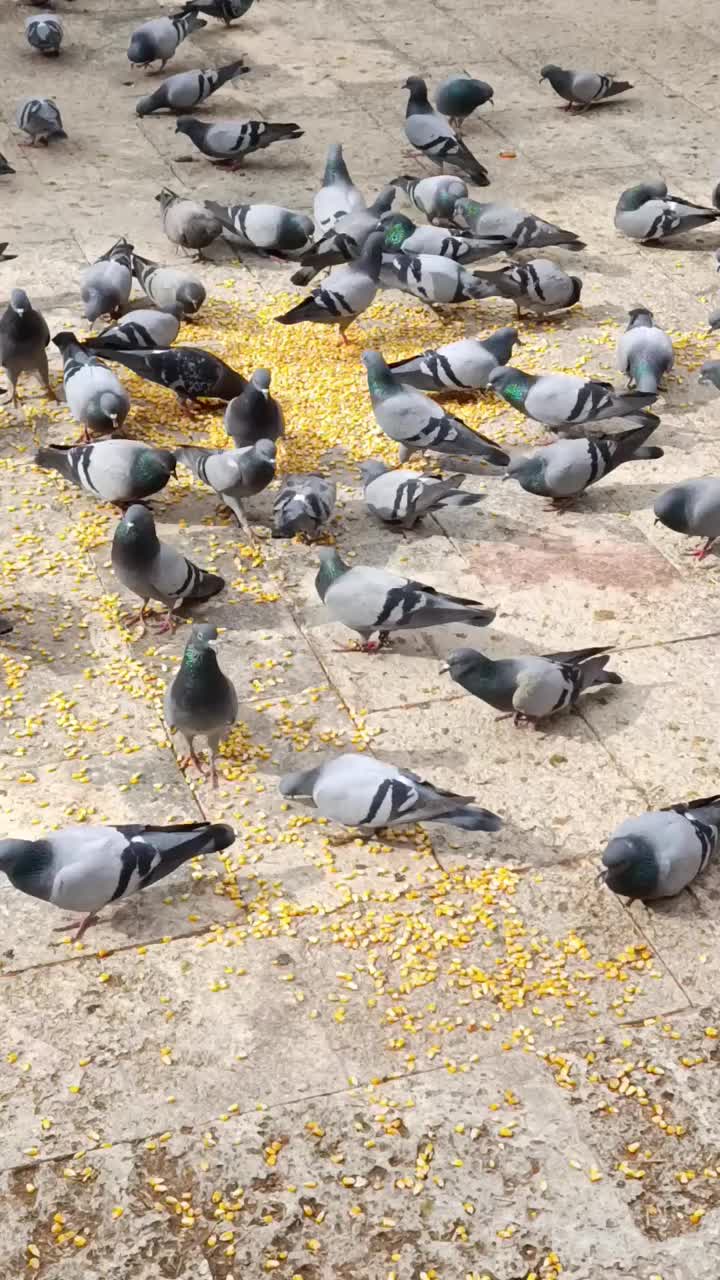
[(95, 397), (190, 372), (644, 352), (401, 233), (40, 119), (119, 471), (432, 136), (710, 374), (372, 601), (416, 423), (140, 329), (5, 170), (460, 366), (227, 10), (360, 791), (254, 414), (346, 293), (539, 286), (157, 40), (693, 508), (582, 88), (436, 197), (153, 570), (44, 32), (526, 230), (227, 142), (564, 401), (435, 280), (106, 284), (24, 335), (646, 212), (84, 868), (565, 469), (234, 474), (530, 688), (402, 498), (201, 701), (168, 288), (303, 505), (187, 89), (658, 854), (188, 223), (345, 240), (458, 96), (337, 195), (268, 228)]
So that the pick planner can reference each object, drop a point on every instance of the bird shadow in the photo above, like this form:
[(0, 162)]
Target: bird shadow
[(627, 497)]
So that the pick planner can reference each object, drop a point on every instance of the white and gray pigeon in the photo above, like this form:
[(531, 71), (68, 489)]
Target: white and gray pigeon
[(40, 119), (227, 142), (233, 474), (417, 423), (526, 230), (532, 687), (94, 396), (361, 792), (226, 10), (201, 701), (565, 469), (346, 293), (644, 351), (374, 602), (401, 233), (464, 365), (266, 228), (582, 88), (345, 240), (85, 868), (540, 286), (304, 504), (402, 498), (338, 194), (153, 570), (431, 134), (646, 212), (24, 335), (658, 854), (157, 40), (44, 32), (566, 402), (437, 281), (106, 284), (187, 89), (168, 288), (254, 414), (692, 508), (186, 222), (458, 96), (436, 197), (141, 329), (120, 471)]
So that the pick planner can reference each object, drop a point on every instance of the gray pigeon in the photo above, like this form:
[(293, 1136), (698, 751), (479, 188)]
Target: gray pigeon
[(345, 240), (692, 508), (458, 96), (565, 469), (402, 498), (120, 471), (436, 197), (40, 119), (234, 474), (24, 335), (84, 868), (201, 701), (644, 352), (226, 10), (254, 414), (460, 366), (187, 89), (359, 791), (658, 854), (267, 228), (564, 401), (303, 505), (227, 142), (157, 40), (44, 32), (526, 230), (530, 688), (106, 284), (187, 223), (94, 396), (372, 601), (540, 286), (338, 195), (140, 329), (647, 212), (416, 423), (431, 135), (582, 88), (168, 288), (346, 293), (401, 233), (153, 570), (190, 372), (435, 280)]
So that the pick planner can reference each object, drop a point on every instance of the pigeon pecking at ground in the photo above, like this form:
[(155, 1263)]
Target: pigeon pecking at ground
[(187, 223), (437, 281), (566, 402), (120, 471), (94, 396), (402, 233), (658, 854), (646, 212), (460, 366), (153, 570), (401, 498), (192, 373), (187, 89), (458, 96), (24, 335), (40, 119), (267, 228), (431, 134), (565, 469), (234, 474), (525, 230), (105, 285), (644, 351), (201, 701), (539, 286), (168, 288), (582, 88), (227, 142), (303, 505), (254, 414), (158, 39), (44, 32), (532, 687), (436, 197), (692, 508), (141, 329)]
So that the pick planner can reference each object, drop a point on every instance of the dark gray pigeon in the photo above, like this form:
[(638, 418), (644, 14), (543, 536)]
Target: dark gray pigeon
[(646, 212), (157, 40), (106, 284), (187, 223), (140, 329), (373, 601), (85, 868), (227, 142), (234, 474), (167, 288), (458, 96), (402, 497), (431, 135), (303, 505), (201, 701), (120, 471), (526, 230), (24, 335), (153, 570), (583, 89), (658, 854), (346, 293), (644, 352), (464, 365), (566, 402), (40, 119), (402, 234), (436, 197), (530, 688), (565, 469), (692, 508), (254, 414), (539, 286), (266, 228), (94, 396), (192, 373), (44, 32), (226, 10), (338, 194), (187, 89)]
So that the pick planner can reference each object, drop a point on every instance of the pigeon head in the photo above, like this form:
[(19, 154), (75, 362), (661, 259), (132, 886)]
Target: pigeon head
[(371, 469), (548, 71), (266, 450), (94, 304), (397, 230), (417, 87), (331, 568), (299, 783), (501, 343), (64, 340), (529, 471), (20, 302), (630, 867), (106, 411), (671, 508), (380, 379), (154, 466), (188, 125), (405, 181), (145, 105), (510, 383), (464, 662), (202, 638), (710, 373), (444, 203), (136, 532), (13, 853), (190, 297), (636, 197), (166, 197), (261, 381), (640, 317), (141, 49)]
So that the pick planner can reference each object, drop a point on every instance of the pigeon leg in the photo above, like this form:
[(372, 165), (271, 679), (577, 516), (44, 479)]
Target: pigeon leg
[(520, 720), (558, 505), (168, 623), (703, 551), (42, 373), (234, 505), (131, 619), (79, 925)]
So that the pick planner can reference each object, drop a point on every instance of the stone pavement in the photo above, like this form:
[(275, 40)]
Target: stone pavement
[(324, 1060)]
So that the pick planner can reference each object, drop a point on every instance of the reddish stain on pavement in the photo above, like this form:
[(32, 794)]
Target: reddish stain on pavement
[(626, 566)]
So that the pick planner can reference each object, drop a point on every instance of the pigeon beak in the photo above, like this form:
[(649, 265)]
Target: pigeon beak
[(444, 669), (506, 476)]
